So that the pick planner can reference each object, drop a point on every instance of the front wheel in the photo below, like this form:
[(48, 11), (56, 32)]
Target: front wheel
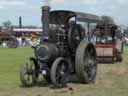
[(29, 72), (60, 72)]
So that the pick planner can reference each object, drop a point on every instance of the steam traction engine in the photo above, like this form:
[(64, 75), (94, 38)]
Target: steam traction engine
[(64, 51)]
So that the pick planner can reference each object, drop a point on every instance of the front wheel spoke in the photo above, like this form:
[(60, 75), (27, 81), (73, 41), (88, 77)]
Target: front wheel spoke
[(28, 78), (29, 72), (31, 65), (26, 67), (58, 77), (61, 77), (65, 77)]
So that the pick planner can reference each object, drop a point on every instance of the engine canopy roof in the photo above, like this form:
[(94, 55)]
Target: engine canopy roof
[(61, 16)]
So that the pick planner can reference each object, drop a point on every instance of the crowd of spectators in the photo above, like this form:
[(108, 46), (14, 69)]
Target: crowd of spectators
[(20, 41), (26, 41)]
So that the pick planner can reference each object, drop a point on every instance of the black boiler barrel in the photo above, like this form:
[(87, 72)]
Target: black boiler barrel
[(46, 52)]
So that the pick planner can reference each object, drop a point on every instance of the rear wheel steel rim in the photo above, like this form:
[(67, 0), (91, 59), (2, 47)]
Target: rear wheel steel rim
[(90, 64)]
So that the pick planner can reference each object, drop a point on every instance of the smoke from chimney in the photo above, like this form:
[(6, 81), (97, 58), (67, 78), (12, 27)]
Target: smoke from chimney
[(46, 2)]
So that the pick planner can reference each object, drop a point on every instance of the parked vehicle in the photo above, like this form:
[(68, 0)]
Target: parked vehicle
[(109, 43), (7, 40)]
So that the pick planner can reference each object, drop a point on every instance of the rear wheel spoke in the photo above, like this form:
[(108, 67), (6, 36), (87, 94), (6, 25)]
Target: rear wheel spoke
[(92, 51)]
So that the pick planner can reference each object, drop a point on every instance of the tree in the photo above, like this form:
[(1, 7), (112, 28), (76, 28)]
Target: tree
[(7, 24), (107, 19)]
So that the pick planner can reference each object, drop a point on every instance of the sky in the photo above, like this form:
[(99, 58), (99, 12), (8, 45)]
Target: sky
[(30, 10)]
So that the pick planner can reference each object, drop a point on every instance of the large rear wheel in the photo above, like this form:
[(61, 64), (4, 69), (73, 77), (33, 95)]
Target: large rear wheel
[(86, 63)]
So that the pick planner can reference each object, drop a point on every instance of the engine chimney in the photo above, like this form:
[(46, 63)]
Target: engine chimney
[(45, 23)]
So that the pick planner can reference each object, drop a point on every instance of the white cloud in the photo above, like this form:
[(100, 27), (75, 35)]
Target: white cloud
[(90, 2), (57, 1), (52, 2), (121, 1), (6, 3), (105, 3), (1, 7), (115, 8)]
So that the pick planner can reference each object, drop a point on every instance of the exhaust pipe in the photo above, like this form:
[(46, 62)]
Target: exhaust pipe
[(45, 23)]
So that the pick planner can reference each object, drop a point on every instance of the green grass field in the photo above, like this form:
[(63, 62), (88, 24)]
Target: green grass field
[(112, 79), (10, 59)]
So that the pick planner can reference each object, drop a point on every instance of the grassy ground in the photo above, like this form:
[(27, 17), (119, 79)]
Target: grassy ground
[(9, 68), (112, 79)]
